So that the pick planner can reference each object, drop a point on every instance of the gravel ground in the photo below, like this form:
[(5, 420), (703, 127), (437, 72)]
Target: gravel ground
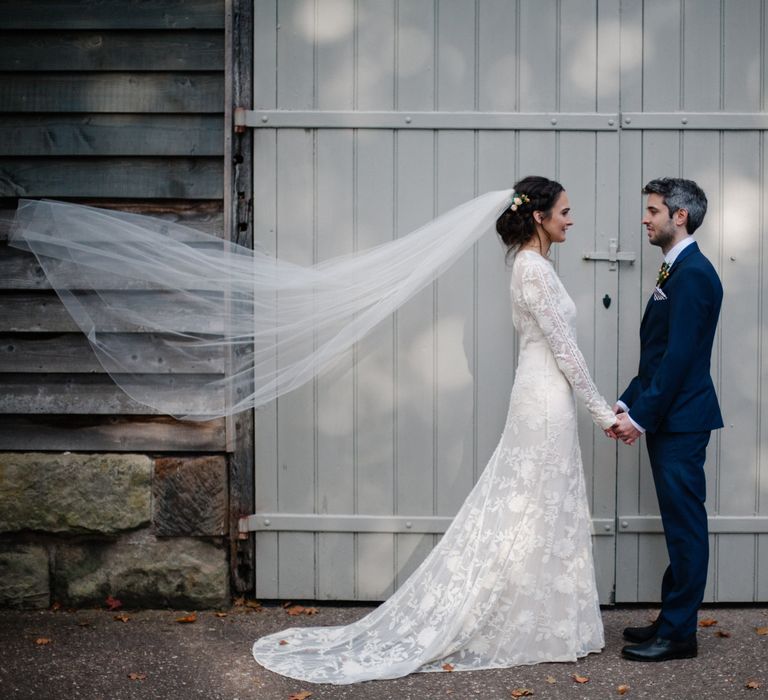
[(92, 655)]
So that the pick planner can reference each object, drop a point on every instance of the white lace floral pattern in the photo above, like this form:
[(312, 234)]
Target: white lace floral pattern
[(512, 580)]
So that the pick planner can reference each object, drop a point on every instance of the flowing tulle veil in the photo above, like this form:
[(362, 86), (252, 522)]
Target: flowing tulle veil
[(247, 326)]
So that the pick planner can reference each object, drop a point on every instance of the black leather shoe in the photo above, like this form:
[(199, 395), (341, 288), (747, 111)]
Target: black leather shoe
[(660, 649), (641, 634)]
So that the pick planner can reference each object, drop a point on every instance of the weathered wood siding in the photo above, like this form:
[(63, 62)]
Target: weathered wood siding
[(116, 103)]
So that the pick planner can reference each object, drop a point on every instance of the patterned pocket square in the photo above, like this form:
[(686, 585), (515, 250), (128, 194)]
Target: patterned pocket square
[(659, 295)]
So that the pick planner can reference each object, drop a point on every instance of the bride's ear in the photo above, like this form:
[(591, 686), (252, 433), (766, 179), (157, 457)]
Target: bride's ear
[(537, 217)]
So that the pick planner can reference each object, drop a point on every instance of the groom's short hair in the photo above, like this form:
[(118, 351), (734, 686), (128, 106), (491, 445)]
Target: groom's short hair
[(678, 193)]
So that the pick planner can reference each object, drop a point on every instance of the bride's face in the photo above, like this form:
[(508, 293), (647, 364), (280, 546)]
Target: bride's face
[(559, 221)]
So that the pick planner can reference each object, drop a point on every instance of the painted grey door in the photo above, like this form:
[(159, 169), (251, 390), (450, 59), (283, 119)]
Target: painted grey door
[(694, 88), (371, 117)]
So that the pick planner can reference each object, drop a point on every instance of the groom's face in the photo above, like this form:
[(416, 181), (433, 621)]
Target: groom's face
[(657, 222)]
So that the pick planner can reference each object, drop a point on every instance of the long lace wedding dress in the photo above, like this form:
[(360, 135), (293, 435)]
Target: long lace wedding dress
[(512, 580)]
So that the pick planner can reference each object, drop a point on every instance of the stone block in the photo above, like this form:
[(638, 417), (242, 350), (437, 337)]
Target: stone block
[(189, 496), (74, 493), (24, 576), (143, 571)]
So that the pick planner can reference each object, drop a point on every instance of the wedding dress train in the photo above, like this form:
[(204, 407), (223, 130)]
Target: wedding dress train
[(512, 580)]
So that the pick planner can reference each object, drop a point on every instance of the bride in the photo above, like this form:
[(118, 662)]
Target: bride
[(512, 580)]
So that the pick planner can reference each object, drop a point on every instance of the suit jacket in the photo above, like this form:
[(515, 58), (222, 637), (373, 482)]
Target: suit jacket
[(673, 389)]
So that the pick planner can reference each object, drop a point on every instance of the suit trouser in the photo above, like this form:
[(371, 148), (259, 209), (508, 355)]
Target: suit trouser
[(677, 461)]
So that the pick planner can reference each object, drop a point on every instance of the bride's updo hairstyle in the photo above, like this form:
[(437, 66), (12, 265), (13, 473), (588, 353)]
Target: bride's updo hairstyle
[(533, 193)]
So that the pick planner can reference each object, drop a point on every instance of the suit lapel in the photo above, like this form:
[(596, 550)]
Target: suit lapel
[(688, 250)]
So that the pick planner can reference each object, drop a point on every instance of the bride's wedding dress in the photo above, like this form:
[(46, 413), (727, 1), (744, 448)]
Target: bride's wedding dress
[(512, 580)]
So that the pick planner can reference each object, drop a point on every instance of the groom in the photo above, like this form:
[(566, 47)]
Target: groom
[(672, 400)]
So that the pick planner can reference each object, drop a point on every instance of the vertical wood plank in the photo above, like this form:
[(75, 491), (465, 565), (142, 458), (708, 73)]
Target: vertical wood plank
[(415, 347), (627, 567), (375, 392), (652, 561), (455, 348), (762, 454), (661, 55), (455, 59), (335, 235), (735, 577), (295, 54), (264, 68), (761, 589), (742, 65), (335, 55), (701, 57), (539, 47), (495, 364), (296, 439), (375, 61), (578, 55), (497, 57), (415, 204), (335, 393), (739, 323), (416, 55)]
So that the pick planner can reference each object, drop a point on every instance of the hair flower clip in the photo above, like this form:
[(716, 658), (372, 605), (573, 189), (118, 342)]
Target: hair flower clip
[(518, 200)]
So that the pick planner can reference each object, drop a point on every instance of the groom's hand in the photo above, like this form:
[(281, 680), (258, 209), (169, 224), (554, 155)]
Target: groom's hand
[(626, 432)]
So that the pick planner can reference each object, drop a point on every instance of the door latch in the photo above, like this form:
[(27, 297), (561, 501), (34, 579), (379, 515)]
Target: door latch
[(613, 256)]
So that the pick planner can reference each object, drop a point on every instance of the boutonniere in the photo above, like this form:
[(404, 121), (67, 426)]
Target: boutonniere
[(661, 278)]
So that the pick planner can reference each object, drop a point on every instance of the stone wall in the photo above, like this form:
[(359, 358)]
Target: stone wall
[(76, 528)]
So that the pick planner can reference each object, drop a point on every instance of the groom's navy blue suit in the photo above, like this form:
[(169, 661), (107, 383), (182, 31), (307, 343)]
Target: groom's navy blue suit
[(674, 399)]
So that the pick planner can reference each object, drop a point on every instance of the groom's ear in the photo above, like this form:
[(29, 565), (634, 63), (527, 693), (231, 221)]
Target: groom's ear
[(680, 217)]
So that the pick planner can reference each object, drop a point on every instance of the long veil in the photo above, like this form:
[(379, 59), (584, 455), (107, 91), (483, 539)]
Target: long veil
[(197, 327)]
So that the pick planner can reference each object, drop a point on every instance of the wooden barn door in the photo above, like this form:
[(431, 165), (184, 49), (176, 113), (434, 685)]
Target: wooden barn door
[(370, 118), (694, 87)]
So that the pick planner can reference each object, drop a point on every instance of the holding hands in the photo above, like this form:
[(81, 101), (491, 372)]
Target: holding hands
[(623, 429)]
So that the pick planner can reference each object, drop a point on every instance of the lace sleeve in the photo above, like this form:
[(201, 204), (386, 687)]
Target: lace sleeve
[(541, 298)]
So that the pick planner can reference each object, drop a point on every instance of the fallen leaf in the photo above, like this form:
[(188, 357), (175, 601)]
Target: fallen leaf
[(301, 695), (707, 622), (42, 641), (56, 606), (113, 603), (722, 633), (221, 614), (522, 693), (551, 680), (300, 610), (137, 676), (761, 630), (283, 642), (752, 685), (622, 689), (122, 617), (238, 602), (448, 667), (192, 617), (84, 623), (580, 679), (253, 604)]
